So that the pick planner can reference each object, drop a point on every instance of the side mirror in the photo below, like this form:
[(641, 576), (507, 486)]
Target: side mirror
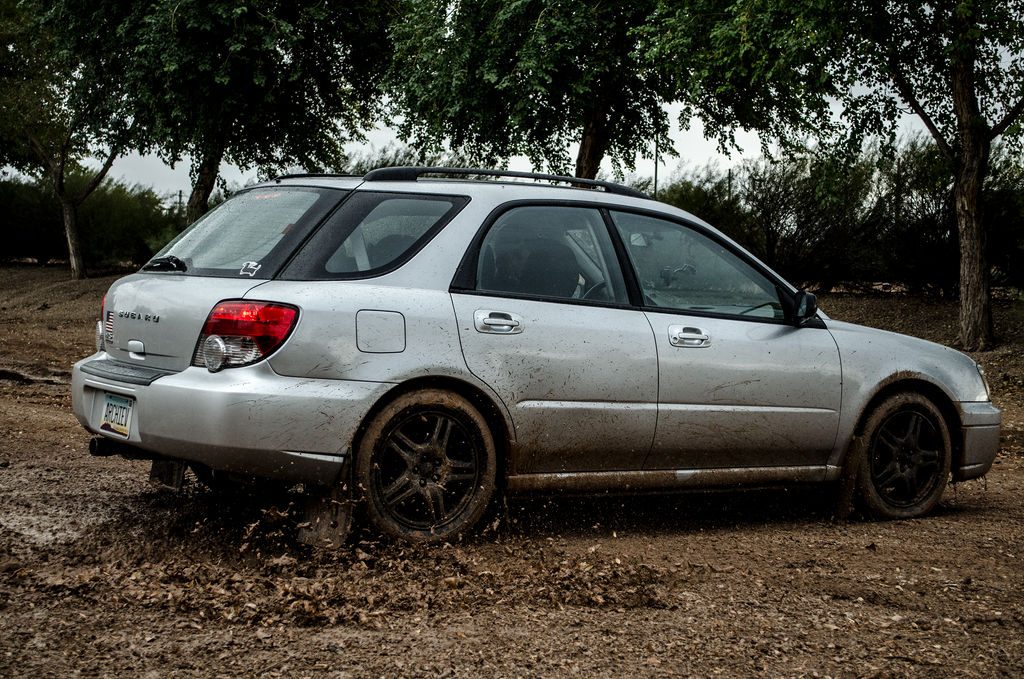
[(805, 306)]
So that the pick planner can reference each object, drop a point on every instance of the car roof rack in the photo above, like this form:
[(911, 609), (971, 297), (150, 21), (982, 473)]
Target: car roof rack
[(413, 173), (328, 175)]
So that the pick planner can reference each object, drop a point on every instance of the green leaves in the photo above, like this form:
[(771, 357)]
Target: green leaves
[(753, 64), (498, 78), (263, 83)]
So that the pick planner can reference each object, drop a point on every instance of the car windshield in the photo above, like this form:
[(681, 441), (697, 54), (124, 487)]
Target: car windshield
[(249, 235)]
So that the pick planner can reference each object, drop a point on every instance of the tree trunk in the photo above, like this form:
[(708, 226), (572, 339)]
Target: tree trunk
[(975, 309), (593, 143), (56, 164), (971, 165), (70, 211), (206, 180)]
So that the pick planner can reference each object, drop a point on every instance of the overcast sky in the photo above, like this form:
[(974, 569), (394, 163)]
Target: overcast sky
[(694, 150)]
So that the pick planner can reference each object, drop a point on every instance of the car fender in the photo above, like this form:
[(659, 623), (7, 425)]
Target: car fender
[(874, 361)]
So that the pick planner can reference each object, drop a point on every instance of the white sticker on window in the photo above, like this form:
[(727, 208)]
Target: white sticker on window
[(250, 269)]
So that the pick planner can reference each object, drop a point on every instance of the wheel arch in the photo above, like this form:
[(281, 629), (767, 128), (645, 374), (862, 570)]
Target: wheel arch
[(492, 412), (933, 393)]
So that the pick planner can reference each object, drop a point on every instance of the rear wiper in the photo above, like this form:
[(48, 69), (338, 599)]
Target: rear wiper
[(167, 263)]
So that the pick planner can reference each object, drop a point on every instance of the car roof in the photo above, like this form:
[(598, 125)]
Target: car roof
[(493, 187)]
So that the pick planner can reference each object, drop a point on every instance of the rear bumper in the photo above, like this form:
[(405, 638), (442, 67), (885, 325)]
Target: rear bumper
[(246, 420), (979, 439)]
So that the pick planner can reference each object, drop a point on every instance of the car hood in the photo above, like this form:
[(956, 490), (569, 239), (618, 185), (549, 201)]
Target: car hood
[(872, 356)]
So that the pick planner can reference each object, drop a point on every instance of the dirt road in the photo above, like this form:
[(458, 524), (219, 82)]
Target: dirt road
[(102, 576)]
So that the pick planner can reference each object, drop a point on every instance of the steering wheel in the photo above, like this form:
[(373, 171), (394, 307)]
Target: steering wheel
[(669, 274), (594, 289)]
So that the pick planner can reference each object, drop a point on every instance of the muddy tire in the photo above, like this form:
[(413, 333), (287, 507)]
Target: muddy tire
[(903, 458), (426, 467)]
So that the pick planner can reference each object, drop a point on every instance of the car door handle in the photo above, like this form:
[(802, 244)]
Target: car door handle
[(689, 337), (497, 322)]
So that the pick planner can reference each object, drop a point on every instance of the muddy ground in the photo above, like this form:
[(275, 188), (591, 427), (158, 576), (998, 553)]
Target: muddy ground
[(102, 576)]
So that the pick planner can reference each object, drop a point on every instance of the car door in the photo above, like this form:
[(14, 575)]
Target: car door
[(544, 320), (740, 386)]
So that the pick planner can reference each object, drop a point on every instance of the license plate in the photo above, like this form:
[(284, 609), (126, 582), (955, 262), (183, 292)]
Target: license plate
[(117, 415)]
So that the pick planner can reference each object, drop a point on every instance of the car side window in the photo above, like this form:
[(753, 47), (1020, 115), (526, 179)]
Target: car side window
[(552, 252), (386, 233), (370, 233), (681, 269)]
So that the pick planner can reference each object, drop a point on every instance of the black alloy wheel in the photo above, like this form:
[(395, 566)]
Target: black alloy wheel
[(426, 467), (905, 465)]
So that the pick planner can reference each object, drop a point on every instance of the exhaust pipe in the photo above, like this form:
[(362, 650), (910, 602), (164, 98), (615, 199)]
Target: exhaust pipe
[(101, 446)]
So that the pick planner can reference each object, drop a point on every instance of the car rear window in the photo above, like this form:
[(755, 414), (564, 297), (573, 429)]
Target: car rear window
[(250, 235), (372, 233)]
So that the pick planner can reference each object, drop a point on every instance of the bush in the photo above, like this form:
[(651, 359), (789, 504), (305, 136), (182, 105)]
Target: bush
[(30, 224), (117, 224), (826, 222)]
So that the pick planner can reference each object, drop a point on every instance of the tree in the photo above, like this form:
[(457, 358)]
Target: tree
[(745, 64), (957, 65), (260, 83), (60, 105), (498, 78), (394, 155)]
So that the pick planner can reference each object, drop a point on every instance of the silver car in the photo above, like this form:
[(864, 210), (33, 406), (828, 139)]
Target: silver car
[(427, 336)]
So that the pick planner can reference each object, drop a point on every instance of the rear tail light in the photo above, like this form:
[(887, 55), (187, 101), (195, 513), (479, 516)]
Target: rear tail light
[(101, 326), (238, 333)]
